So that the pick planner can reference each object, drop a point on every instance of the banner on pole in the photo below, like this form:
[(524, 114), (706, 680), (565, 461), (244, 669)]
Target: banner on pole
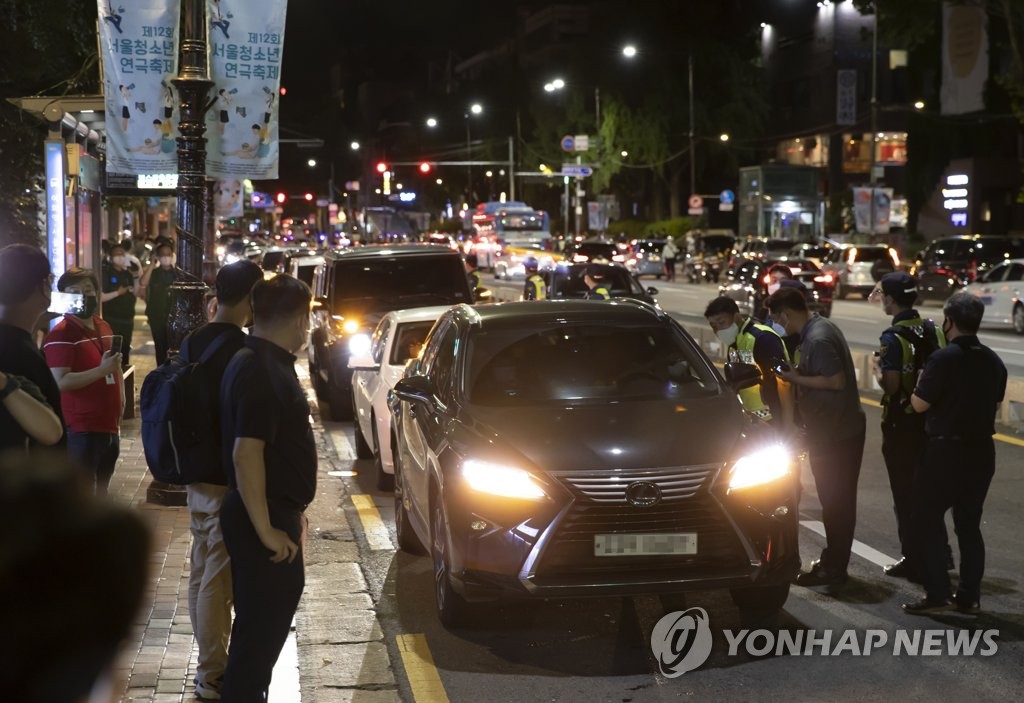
[(227, 198), (864, 201), (139, 43), (246, 40), (964, 58)]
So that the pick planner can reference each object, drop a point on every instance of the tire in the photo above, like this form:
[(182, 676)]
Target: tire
[(340, 402), (760, 601), (1018, 319), (363, 450), (385, 481), (451, 607), (407, 539)]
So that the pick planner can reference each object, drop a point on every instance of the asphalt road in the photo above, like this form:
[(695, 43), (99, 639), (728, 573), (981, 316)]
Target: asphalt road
[(599, 650)]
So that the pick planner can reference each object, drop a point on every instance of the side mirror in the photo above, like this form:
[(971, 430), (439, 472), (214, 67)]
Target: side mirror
[(416, 389), (363, 362), (740, 376), (651, 290)]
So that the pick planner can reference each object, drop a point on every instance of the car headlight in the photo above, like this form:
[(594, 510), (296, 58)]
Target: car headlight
[(498, 480), (763, 466), (350, 326), (359, 344)]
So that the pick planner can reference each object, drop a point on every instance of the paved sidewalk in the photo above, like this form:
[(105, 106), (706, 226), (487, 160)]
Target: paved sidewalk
[(341, 653)]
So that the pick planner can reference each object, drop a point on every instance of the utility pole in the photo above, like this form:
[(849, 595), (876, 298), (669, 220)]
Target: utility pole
[(693, 152), (872, 178), (469, 165), (511, 169)]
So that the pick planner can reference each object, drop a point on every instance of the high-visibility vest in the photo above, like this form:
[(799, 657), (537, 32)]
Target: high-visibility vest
[(743, 351), (474, 279), (908, 368), (535, 288), (599, 293)]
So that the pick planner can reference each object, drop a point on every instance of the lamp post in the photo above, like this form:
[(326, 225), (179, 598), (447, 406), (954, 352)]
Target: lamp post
[(474, 109)]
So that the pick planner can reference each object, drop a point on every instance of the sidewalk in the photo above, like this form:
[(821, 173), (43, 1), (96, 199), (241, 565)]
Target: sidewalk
[(341, 654)]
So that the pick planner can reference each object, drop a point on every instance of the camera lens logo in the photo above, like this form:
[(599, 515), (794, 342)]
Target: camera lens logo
[(681, 641)]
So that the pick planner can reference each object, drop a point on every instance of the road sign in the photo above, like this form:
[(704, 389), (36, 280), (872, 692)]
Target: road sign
[(321, 202), (582, 142), (578, 170), (568, 143), (696, 202), (351, 185), (727, 197)]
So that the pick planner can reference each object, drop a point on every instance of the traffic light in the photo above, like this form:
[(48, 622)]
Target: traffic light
[(308, 197), (425, 167), (280, 198), (381, 167)]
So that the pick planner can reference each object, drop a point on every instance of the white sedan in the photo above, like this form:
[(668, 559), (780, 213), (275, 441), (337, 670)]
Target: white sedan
[(1001, 289), (376, 369)]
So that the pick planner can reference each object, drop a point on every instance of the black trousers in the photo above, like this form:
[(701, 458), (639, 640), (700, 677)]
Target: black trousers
[(903, 450), (125, 328), (158, 328), (835, 465), (670, 269), (955, 474), (266, 596)]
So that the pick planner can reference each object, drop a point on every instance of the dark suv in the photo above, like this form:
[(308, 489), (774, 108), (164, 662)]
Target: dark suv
[(950, 263), (354, 290)]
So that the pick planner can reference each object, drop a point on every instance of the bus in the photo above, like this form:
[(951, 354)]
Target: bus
[(514, 224)]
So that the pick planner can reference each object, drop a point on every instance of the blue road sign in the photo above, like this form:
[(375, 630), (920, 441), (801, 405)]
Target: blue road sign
[(568, 143), (578, 170), (727, 197)]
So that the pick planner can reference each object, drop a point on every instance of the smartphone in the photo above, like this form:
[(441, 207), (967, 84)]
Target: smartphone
[(780, 366), (116, 341), (65, 303)]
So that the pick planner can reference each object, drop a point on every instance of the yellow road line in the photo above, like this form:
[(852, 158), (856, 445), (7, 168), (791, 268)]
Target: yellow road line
[(1016, 441), (424, 680), (373, 526)]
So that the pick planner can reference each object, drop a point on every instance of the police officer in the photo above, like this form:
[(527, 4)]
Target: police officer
[(898, 362), (750, 342), (471, 273), (959, 391), (594, 278), (534, 288)]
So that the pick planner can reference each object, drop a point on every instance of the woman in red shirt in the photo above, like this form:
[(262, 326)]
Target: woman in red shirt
[(88, 373)]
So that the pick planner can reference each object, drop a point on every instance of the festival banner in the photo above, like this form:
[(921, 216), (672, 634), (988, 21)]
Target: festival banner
[(864, 201), (246, 45), (964, 58), (139, 43)]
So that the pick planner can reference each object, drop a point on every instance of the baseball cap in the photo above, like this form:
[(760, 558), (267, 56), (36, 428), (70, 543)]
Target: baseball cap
[(235, 281), (898, 284), (792, 283)]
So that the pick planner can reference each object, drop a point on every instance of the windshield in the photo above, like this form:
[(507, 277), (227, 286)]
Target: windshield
[(304, 272), (272, 259), (873, 254), (396, 282), (521, 222), (649, 247), (593, 249), (585, 362), (408, 343), (567, 282)]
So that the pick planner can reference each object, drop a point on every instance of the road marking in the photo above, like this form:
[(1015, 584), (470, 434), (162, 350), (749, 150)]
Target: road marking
[(341, 445), (424, 679), (1016, 441), (858, 548), (373, 526)]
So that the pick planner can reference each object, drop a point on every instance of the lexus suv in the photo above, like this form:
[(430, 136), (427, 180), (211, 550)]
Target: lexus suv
[(353, 290), (579, 448)]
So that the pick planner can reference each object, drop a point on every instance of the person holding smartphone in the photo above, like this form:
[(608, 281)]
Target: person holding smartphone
[(88, 372), (120, 289)]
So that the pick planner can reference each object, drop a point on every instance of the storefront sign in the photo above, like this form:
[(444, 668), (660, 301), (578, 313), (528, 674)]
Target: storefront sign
[(56, 245), (846, 96)]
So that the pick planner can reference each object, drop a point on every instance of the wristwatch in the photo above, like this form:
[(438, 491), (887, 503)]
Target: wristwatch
[(11, 386)]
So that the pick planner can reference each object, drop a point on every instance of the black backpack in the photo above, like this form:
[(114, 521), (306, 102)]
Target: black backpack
[(923, 345), (179, 419)]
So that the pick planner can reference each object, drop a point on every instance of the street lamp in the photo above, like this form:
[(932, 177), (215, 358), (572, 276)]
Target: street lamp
[(629, 51), (354, 146), (474, 109), (311, 163), (623, 153), (431, 122), (919, 105), (724, 137)]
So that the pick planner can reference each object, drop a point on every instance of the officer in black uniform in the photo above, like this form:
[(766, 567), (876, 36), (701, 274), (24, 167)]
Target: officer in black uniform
[(959, 391), (471, 273), (535, 288), (898, 362), (594, 278)]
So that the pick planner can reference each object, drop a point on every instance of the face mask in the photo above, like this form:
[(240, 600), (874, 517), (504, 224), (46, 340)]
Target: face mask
[(772, 287), (166, 261), (729, 334), (89, 305), (947, 328), (118, 260)]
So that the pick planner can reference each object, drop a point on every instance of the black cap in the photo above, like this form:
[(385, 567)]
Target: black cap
[(595, 270), (235, 281), (898, 284), (792, 283)]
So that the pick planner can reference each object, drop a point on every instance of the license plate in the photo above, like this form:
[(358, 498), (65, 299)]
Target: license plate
[(655, 258), (986, 299), (645, 545)]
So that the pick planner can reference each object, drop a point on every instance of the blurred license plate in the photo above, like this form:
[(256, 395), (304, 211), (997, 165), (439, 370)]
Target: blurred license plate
[(644, 545), (986, 299), (654, 258)]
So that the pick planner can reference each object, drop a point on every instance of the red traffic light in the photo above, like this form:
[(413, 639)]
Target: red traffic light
[(381, 167), (280, 198), (308, 196), (424, 167)]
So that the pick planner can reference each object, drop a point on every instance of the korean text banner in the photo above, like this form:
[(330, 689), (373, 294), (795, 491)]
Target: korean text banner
[(246, 46), (139, 42)]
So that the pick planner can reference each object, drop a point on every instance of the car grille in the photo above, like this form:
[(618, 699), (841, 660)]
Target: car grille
[(601, 508)]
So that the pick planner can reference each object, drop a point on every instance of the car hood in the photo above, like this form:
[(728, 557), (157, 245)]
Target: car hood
[(626, 435)]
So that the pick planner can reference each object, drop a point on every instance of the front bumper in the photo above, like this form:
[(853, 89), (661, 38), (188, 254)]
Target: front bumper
[(546, 550)]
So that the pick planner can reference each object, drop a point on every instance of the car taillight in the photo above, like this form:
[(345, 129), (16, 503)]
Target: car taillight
[(767, 279), (618, 257), (827, 278), (580, 258), (972, 270)]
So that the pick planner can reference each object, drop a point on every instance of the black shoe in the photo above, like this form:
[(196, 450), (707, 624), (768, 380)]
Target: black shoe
[(899, 570), (820, 576), (966, 605), (927, 605)]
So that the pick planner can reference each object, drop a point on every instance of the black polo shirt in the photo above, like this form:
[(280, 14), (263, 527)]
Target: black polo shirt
[(123, 306), (19, 356), (963, 382), (158, 295), (261, 399)]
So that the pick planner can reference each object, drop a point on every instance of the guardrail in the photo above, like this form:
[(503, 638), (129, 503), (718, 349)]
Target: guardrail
[(1011, 412)]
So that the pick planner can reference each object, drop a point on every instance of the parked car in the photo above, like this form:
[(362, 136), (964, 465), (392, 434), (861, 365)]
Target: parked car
[(950, 263), (566, 282), (356, 287), (747, 284), (575, 449), (597, 251), (398, 338), (857, 268), (818, 252), (645, 258), (1001, 289)]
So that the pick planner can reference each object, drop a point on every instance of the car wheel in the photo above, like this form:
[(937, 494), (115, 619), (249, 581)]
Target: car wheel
[(407, 539), (385, 481), (1018, 319), (363, 450), (760, 600), (340, 402), (451, 607)]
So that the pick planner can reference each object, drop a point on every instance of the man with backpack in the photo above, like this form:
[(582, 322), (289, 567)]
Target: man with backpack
[(209, 588), (904, 347)]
